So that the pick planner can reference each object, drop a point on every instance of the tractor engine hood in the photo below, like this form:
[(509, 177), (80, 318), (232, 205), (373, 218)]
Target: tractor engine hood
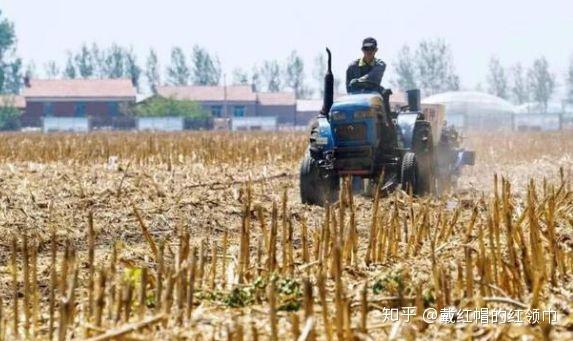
[(354, 120)]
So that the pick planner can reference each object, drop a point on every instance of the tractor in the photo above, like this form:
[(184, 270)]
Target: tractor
[(359, 135)]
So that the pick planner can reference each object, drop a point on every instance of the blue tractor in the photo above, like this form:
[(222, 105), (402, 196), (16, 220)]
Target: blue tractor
[(360, 136)]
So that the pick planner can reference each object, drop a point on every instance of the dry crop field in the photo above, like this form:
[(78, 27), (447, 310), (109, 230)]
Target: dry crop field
[(203, 236)]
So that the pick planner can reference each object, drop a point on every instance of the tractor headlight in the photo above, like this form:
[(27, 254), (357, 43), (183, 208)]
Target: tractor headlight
[(365, 114), (338, 115)]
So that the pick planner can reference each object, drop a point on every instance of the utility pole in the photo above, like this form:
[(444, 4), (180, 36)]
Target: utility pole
[(225, 96)]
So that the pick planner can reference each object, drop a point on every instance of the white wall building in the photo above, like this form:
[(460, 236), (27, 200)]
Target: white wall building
[(160, 123), (66, 124), (266, 123)]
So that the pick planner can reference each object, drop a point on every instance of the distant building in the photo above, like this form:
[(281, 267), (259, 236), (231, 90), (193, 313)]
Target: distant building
[(237, 101), (534, 116), (281, 105), (265, 123), (538, 108), (102, 101), (307, 110), (475, 110), (219, 101), (160, 123), (65, 124)]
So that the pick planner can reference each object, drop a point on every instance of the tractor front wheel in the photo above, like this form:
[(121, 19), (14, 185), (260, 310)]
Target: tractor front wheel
[(317, 188)]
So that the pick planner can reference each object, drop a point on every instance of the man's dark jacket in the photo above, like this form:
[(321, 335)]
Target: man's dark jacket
[(362, 71)]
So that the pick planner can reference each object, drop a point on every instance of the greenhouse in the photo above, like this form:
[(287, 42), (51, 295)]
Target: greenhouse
[(475, 110)]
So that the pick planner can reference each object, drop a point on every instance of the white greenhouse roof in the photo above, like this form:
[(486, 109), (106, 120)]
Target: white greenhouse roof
[(471, 103)]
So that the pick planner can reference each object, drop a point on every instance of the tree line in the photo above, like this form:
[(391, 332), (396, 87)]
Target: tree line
[(429, 66), (200, 67), (115, 61), (519, 85)]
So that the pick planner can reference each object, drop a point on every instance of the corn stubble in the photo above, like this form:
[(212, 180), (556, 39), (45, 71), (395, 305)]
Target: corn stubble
[(263, 265)]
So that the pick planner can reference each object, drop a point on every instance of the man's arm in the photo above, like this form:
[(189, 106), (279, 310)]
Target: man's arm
[(375, 75), (349, 76)]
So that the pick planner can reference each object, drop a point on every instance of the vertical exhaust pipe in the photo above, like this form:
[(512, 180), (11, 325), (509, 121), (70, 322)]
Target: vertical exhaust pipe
[(414, 100), (328, 87)]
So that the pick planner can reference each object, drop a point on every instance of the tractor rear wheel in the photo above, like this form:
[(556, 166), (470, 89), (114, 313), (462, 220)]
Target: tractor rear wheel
[(423, 147), (316, 188), (409, 173)]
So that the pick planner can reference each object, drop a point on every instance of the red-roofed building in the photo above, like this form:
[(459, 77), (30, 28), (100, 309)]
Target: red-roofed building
[(200, 93), (282, 105), (220, 101), (101, 100), (237, 101)]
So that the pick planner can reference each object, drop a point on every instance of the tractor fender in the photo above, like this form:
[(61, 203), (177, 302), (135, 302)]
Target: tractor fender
[(321, 139), (405, 123)]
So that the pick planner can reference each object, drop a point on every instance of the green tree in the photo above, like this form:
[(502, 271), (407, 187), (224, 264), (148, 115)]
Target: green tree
[(9, 114), (497, 79), (70, 69), (541, 82), (7, 37), (318, 72), (435, 67), (132, 69), (98, 58), (256, 80), (519, 89), (337, 84), (30, 72), (13, 80), (569, 78), (152, 71), (161, 107), (294, 75), (8, 63), (240, 77), (178, 72), (405, 70), (51, 70), (115, 62), (3, 76), (206, 69), (271, 74), (84, 62)]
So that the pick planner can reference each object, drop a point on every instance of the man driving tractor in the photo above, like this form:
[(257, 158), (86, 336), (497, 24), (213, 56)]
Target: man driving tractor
[(367, 71)]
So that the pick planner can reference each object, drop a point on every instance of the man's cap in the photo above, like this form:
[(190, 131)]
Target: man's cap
[(369, 43)]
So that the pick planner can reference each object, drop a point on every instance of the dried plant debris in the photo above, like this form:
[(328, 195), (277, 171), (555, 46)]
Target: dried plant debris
[(203, 236)]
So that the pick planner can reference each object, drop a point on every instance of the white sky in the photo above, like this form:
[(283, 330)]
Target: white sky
[(244, 32)]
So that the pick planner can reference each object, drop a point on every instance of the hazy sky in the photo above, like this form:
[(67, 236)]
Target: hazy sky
[(244, 32)]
